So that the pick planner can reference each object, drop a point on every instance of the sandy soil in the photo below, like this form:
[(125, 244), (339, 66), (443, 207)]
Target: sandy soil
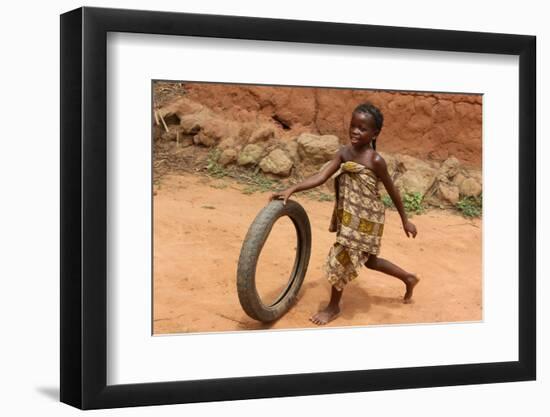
[(199, 227)]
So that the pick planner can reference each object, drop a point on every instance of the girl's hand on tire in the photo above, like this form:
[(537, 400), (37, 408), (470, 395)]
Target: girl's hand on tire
[(281, 195)]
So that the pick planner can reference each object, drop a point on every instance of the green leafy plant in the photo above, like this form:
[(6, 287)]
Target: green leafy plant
[(412, 202), (213, 168), (470, 206)]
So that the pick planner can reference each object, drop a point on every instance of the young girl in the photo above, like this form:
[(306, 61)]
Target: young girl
[(358, 216)]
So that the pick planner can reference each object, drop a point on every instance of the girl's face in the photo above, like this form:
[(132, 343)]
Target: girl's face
[(362, 129)]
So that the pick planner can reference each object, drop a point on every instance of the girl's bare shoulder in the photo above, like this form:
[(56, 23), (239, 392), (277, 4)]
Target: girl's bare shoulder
[(376, 158), (379, 164)]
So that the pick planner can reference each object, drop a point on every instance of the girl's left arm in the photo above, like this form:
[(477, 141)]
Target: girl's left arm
[(382, 172)]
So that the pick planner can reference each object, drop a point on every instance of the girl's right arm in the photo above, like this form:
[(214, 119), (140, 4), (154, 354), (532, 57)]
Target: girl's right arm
[(313, 181)]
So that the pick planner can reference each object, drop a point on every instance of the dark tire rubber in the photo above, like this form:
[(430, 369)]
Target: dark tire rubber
[(250, 252)]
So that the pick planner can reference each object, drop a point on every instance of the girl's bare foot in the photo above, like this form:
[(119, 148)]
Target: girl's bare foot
[(326, 315), (410, 283)]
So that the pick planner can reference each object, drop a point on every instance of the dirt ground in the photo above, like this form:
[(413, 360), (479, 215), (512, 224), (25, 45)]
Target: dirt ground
[(199, 227)]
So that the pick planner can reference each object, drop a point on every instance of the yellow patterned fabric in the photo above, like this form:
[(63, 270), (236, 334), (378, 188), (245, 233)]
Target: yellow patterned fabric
[(342, 264), (357, 219)]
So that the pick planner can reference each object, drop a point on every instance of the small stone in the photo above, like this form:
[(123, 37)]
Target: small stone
[(458, 179), (317, 149), (449, 193), (414, 182), (202, 138), (449, 168), (476, 174), (191, 124), (277, 162), (212, 131), (227, 156), (292, 150), (251, 154), (470, 188), (262, 134), (417, 175)]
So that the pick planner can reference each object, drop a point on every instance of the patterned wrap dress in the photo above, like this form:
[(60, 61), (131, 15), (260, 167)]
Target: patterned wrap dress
[(357, 219)]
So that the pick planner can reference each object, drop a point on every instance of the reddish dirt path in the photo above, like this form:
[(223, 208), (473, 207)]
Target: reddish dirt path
[(199, 227)]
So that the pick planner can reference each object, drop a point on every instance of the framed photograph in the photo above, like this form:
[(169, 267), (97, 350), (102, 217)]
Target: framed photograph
[(257, 208)]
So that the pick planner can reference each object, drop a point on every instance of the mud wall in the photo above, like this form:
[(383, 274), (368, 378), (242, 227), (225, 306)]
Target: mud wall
[(424, 125)]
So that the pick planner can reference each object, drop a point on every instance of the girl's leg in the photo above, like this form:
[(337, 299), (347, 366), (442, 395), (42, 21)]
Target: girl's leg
[(331, 311), (385, 266)]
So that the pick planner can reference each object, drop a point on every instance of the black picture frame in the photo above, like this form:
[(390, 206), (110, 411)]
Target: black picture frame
[(83, 312)]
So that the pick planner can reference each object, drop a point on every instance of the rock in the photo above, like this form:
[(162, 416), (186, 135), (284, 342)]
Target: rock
[(191, 124), (262, 134), (203, 139), (449, 168), (458, 179), (416, 176), (470, 188), (227, 156), (448, 193), (251, 154), (291, 148), (414, 182), (212, 131), (317, 149), (245, 131), (277, 162), (434, 164), (475, 174)]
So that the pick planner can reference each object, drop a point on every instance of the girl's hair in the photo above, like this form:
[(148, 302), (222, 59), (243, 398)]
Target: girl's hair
[(375, 113)]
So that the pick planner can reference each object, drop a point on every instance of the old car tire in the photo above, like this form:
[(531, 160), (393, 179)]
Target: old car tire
[(250, 252)]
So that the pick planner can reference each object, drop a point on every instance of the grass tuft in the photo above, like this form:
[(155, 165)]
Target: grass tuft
[(470, 206)]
